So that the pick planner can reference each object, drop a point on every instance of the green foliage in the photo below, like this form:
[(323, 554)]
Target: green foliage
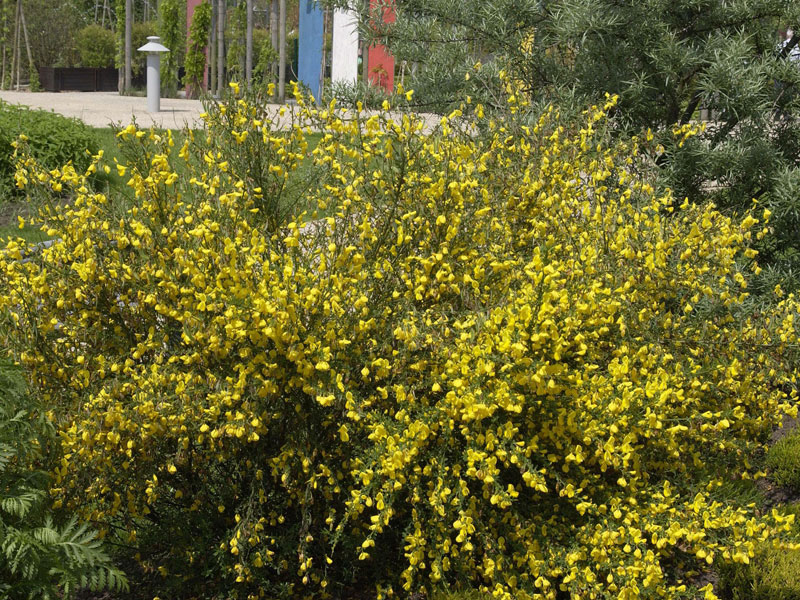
[(53, 138), (52, 27), (665, 60), (783, 461), (772, 574), (96, 46), (196, 54), (264, 57), (119, 11), (34, 83), (40, 557), (350, 94), (139, 32), (236, 26), (172, 29)]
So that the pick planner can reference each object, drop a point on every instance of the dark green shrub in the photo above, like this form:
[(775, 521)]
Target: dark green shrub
[(41, 556), (783, 461), (96, 46), (55, 140)]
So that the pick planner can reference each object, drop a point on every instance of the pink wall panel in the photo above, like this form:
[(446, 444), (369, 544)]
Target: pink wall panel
[(380, 64)]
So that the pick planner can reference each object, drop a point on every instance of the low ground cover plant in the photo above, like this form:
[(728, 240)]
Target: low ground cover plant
[(771, 575), (488, 357), (53, 139), (783, 461)]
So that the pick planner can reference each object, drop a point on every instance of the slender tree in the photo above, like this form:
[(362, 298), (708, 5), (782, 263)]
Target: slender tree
[(364, 47), (172, 29), (273, 31), (220, 47), (195, 64), (248, 68), (282, 52), (128, 45), (327, 15), (212, 50), (33, 75), (17, 29)]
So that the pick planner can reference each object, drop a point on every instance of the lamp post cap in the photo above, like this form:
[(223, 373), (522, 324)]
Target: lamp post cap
[(153, 45)]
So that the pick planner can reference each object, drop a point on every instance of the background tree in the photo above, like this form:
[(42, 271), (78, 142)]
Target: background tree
[(220, 46), (273, 32), (248, 69), (236, 43), (172, 29), (96, 46), (128, 45), (282, 51), (196, 54), (665, 60), (139, 34), (53, 46)]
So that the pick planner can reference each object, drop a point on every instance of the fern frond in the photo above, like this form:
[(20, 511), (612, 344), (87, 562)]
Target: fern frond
[(22, 552), (39, 557), (46, 535), (7, 452)]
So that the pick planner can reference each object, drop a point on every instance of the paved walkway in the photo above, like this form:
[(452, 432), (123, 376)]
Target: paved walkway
[(101, 109)]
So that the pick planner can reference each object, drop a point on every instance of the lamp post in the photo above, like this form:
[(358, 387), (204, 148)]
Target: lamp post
[(154, 49)]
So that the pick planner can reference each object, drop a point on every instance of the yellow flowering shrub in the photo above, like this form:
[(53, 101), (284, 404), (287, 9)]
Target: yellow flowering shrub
[(418, 359)]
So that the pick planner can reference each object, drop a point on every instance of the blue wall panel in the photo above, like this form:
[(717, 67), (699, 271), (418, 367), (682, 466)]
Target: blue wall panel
[(310, 45)]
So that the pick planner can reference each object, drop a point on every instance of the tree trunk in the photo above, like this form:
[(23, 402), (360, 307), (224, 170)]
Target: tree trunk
[(325, 28), (15, 56), (282, 52), (27, 43), (364, 54), (220, 47), (126, 86), (5, 43), (273, 33), (248, 58), (212, 50)]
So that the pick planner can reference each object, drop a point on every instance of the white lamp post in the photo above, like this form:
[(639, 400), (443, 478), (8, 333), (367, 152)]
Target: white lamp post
[(154, 50)]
